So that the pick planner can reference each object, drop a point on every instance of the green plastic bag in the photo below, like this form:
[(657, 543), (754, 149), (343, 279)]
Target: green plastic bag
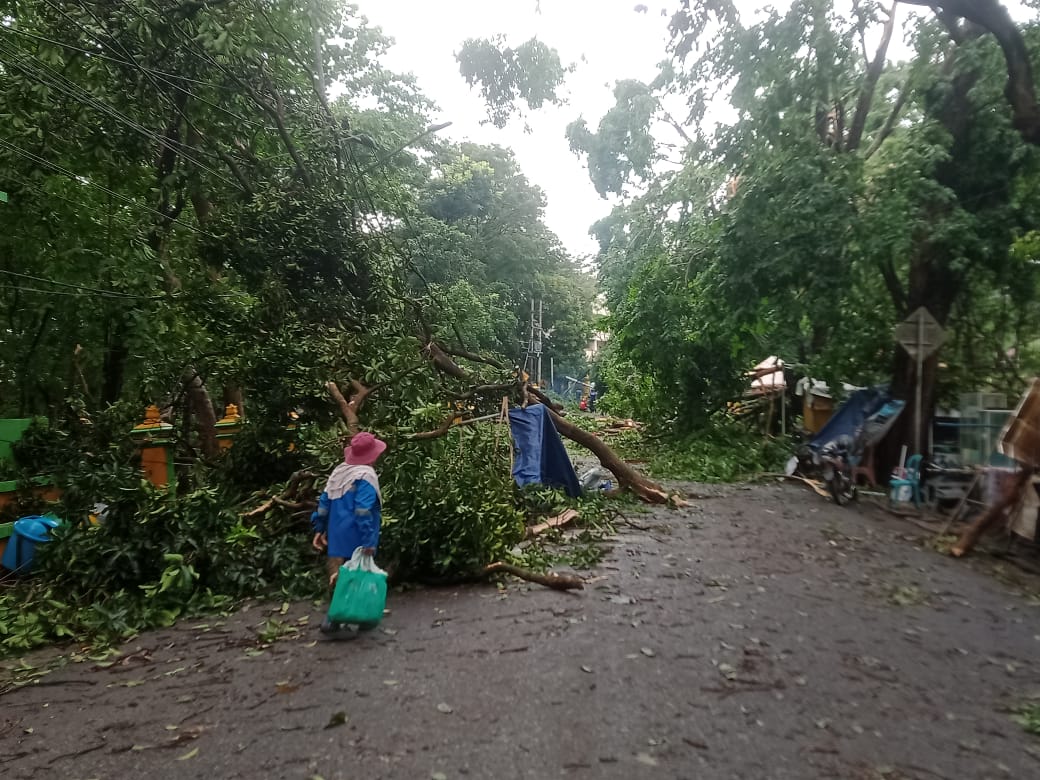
[(360, 594)]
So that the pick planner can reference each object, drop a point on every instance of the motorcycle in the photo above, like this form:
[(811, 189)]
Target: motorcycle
[(837, 470)]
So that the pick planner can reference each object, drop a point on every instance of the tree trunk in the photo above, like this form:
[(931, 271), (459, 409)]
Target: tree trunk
[(202, 408), (627, 476), (934, 281), (934, 286), (116, 355)]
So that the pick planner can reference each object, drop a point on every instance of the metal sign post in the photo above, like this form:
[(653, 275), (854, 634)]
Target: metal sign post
[(920, 335)]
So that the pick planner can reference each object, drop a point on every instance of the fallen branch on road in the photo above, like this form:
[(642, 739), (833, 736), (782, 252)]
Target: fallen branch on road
[(812, 483), (550, 580)]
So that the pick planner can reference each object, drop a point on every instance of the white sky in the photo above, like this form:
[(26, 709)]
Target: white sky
[(615, 42)]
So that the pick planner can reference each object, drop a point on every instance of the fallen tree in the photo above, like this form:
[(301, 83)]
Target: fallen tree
[(455, 385), (627, 477)]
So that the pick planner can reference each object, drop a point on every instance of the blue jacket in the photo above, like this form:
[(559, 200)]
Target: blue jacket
[(351, 521)]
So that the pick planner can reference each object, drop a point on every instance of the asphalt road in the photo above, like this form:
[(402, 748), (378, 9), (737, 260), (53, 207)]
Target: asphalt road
[(760, 633)]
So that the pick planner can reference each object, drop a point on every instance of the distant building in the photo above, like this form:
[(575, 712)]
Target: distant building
[(600, 337), (596, 343)]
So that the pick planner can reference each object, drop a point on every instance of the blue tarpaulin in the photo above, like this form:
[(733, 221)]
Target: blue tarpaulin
[(540, 454), (852, 414)]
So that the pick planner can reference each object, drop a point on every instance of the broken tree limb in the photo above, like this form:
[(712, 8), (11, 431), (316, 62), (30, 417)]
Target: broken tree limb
[(462, 353), (559, 521), (349, 409), (296, 481), (345, 410), (993, 516), (448, 425), (294, 506), (627, 476), (292, 491), (550, 580), (443, 363)]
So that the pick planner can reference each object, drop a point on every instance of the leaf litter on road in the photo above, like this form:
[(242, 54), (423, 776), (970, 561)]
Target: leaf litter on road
[(337, 719)]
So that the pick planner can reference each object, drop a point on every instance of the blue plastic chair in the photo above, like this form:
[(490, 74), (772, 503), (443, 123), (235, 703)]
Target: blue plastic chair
[(912, 480)]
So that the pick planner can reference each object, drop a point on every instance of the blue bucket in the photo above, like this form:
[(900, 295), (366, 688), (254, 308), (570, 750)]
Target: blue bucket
[(26, 534)]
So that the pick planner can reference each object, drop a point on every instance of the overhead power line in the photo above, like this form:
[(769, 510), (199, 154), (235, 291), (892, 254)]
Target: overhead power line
[(84, 180), (69, 88), (81, 287), (171, 78)]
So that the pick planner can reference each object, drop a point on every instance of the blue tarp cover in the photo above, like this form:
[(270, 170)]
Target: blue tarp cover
[(540, 455), (860, 405)]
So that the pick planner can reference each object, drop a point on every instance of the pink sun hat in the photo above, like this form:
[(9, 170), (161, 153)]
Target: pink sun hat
[(364, 449)]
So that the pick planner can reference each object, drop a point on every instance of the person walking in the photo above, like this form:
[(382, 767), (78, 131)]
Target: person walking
[(349, 511)]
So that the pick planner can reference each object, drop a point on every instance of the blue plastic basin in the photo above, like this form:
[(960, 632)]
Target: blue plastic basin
[(26, 534)]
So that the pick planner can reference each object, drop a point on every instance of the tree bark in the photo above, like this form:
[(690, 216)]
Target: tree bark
[(627, 477), (202, 409), (114, 361), (550, 580), (866, 94), (349, 409)]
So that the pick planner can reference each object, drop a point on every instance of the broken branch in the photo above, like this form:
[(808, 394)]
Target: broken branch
[(550, 580), (349, 409), (462, 353)]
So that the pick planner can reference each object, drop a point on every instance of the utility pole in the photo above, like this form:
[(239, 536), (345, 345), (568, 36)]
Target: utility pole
[(539, 342), (530, 338)]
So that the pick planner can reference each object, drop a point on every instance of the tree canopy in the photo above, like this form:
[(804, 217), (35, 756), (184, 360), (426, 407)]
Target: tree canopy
[(845, 191), (179, 182)]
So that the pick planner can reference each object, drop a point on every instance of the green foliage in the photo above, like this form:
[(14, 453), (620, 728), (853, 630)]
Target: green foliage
[(722, 450), (623, 147), (191, 224), (727, 453), (530, 72), (1028, 717), (450, 503), (154, 558), (824, 209), (624, 390), (265, 454)]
